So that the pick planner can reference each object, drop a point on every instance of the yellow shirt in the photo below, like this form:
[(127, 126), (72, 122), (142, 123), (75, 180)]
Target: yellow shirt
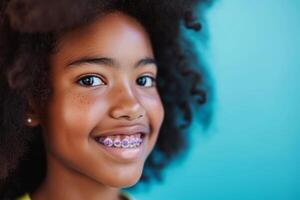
[(124, 196), (24, 197)]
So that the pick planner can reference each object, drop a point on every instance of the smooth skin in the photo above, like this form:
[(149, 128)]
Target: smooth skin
[(103, 78)]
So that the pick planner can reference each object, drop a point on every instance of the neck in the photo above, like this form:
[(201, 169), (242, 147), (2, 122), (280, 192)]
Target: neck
[(65, 183)]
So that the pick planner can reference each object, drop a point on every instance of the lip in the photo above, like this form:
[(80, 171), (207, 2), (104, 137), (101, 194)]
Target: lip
[(124, 155), (125, 130)]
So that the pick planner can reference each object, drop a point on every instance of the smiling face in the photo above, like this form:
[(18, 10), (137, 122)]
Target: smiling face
[(105, 112)]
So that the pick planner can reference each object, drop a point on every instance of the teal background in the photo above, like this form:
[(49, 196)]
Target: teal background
[(251, 150)]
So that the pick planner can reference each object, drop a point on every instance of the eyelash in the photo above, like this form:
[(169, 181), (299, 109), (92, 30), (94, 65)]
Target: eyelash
[(151, 78), (80, 81)]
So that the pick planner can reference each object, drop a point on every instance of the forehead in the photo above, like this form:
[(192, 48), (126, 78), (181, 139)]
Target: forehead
[(106, 35)]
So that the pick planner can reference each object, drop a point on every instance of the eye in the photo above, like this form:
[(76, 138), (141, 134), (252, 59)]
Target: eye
[(90, 81), (146, 81)]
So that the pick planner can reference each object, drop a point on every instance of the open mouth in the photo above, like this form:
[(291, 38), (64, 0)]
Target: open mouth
[(121, 141)]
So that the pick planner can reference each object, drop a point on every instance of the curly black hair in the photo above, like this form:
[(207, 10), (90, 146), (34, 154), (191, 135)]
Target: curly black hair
[(29, 30)]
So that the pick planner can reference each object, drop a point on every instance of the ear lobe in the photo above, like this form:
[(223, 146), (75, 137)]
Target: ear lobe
[(33, 114), (32, 121)]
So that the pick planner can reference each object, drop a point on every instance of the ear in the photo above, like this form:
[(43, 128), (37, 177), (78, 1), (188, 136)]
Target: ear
[(32, 117)]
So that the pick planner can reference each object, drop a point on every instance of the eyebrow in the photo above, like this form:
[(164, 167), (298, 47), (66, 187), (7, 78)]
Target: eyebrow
[(108, 61)]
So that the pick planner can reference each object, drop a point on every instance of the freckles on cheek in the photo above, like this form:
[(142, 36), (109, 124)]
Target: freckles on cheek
[(73, 114)]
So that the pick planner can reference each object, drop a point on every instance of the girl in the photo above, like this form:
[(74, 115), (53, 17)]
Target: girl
[(90, 89)]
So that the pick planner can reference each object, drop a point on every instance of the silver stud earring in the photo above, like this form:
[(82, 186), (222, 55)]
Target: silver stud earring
[(29, 120)]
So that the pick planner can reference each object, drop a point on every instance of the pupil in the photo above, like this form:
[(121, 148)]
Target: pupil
[(141, 81), (88, 81)]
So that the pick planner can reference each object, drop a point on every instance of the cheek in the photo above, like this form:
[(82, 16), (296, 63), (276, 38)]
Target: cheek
[(155, 113), (71, 118)]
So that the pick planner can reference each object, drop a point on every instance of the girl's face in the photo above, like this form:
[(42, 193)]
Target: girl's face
[(105, 113)]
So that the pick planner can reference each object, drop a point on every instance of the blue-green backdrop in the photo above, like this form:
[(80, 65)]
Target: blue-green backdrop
[(251, 151)]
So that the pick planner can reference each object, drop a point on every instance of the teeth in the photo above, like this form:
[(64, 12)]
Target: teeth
[(117, 142), (132, 141), (125, 142), (108, 142)]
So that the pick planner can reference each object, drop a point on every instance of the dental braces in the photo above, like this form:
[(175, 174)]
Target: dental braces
[(127, 142)]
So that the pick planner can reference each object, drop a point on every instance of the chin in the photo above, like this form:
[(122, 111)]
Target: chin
[(123, 178), (124, 182)]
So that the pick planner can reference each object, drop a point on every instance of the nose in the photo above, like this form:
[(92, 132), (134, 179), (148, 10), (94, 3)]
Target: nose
[(126, 106)]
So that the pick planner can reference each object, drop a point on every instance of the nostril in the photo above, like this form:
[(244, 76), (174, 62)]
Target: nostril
[(140, 116), (133, 117), (127, 112)]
